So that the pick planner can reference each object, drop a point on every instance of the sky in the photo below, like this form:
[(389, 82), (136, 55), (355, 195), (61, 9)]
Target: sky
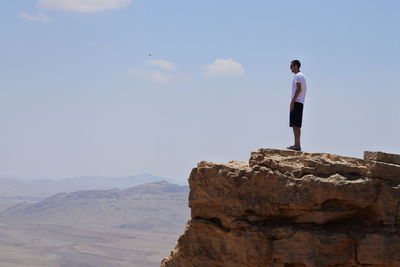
[(121, 87)]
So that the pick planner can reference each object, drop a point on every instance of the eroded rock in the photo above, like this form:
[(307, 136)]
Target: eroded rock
[(287, 208), (382, 157)]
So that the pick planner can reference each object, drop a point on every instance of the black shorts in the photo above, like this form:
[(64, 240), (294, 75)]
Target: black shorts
[(296, 116)]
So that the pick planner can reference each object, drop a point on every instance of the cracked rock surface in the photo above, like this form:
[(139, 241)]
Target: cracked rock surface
[(293, 209)]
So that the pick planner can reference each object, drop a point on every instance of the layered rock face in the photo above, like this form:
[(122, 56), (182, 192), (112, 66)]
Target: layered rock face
[(293, 209)]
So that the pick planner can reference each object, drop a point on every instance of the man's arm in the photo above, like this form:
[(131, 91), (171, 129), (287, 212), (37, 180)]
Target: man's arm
[(296, 94)]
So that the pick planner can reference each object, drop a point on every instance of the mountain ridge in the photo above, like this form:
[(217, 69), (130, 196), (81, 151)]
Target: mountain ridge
[(115, 227), (19, 189), (108, 208)]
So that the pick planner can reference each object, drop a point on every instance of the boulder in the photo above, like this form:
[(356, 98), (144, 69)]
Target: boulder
[(293, 209)]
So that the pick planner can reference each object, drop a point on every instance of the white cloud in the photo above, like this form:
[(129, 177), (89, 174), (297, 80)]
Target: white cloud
[(160, 71), (152, 75), (83, 5), (167, 74), (34, 17), (162, 64), (223, 68)]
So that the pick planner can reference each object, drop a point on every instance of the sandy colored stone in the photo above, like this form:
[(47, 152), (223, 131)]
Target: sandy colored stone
[(382, 157), (291, 209)]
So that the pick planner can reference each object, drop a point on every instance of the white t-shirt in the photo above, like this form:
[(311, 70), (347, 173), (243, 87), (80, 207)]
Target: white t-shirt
[(299, 78)]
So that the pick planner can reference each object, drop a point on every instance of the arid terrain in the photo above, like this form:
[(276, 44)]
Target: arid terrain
[(130, 227)]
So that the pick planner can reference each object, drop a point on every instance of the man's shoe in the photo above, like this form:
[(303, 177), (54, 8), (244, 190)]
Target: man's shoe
[(294, 148)]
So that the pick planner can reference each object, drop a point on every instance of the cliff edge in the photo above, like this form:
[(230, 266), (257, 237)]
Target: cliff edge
[(293, 209)]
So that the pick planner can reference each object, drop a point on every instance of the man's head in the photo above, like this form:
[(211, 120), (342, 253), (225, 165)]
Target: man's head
[(295, 66)]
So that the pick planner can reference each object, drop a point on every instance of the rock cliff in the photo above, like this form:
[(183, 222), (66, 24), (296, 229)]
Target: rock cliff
[(293, 209)]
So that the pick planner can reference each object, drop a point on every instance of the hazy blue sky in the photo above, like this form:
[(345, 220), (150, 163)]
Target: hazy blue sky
[(81, 95)]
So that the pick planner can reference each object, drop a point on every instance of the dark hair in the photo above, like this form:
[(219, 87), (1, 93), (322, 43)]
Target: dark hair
[(296, 62)]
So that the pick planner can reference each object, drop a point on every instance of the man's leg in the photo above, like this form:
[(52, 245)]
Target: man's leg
[(297, 133)]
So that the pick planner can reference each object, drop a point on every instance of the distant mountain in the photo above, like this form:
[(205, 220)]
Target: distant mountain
[(39, 189), (159, 207), (136, 226), (114, 182)]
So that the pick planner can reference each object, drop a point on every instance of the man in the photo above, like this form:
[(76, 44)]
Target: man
[(299, 89)]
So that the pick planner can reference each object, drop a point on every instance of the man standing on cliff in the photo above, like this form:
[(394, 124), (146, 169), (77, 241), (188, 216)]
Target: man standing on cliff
[(299, 89)]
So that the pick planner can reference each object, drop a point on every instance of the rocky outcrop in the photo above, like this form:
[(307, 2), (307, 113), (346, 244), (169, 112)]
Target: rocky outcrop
[(293, 209)]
